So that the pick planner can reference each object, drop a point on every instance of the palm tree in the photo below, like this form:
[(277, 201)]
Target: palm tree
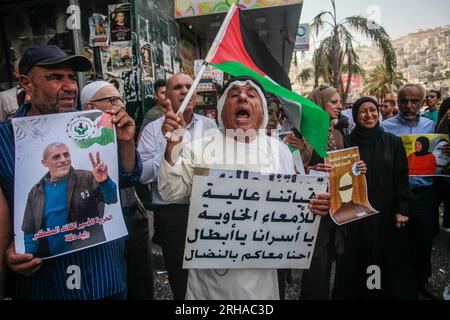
[(356, 69), (305, 75), (380, 82), (336, 49)]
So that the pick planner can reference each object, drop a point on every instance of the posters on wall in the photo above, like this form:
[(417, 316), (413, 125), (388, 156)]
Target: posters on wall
[(348, 187), (160, 73), (153, 48), (120, 22), (167, 53), (66, 200), (105, 57), (187, 57), (143, 29), (251, 220), (425, 154), (121, 57), (176, 67), (98, 30), (131, 86), (173, 39), (147, 62), (163, 29)]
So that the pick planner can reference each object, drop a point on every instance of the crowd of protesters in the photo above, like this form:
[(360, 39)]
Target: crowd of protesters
[(399, 239)]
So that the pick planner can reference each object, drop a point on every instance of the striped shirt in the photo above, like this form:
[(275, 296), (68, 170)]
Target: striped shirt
[(101, 269)]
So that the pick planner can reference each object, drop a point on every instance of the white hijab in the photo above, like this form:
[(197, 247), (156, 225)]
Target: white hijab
[(238, 83)]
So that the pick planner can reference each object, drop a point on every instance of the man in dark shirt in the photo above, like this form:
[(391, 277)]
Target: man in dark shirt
[(48, 75)]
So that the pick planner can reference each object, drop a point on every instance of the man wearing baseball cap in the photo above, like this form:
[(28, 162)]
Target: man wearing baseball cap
[(48, 76)]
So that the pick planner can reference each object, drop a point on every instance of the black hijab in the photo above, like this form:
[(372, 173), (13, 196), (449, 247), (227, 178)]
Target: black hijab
[(371, 147), (443, 109), (425, 146), (361, 135)]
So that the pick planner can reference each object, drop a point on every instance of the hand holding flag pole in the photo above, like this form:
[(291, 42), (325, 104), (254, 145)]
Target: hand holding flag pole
[(206, 62)]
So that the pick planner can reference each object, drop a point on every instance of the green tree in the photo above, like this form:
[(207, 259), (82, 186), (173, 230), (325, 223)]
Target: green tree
[(380, 81), (305, 75), (336, 49)]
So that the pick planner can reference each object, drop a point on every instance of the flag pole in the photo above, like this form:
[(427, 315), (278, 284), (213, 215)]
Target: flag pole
[(206, 62)]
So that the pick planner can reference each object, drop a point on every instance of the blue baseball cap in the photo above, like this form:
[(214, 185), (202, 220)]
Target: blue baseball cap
[(50, 55)]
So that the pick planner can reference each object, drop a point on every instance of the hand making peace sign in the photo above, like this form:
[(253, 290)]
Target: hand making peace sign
[(99, 168)]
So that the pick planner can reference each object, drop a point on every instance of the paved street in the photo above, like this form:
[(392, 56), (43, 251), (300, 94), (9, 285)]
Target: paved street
[(439, 280)]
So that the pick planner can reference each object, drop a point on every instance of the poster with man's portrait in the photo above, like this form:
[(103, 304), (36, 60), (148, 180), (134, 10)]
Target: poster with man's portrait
[(121, 57), (66, 191), (427, 154), (348, 187), (147, 62), (120, 22), (167, 56)]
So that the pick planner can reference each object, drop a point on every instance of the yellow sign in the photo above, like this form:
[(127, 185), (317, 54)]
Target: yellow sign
[(426, 154), (190, 8), (348, 187)]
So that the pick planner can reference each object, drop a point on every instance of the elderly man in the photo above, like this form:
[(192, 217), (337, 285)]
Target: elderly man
[(48, 75), (242, 112), (104, 96), (409, 121), (85, 192), (10, 99), (171, 216)]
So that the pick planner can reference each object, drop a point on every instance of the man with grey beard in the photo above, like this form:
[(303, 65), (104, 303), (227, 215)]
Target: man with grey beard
[(171, 216), (48, 76), (420, 224)]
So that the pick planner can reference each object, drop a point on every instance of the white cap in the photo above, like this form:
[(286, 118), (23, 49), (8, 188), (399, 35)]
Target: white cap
[(222, 99), (90, 90)]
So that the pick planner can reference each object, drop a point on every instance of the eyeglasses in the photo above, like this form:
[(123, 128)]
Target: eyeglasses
[(114, 100), (406, 101)]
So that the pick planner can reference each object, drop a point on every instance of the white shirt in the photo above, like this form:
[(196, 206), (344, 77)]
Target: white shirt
[(265, 155), (152, 145), (8, 103)]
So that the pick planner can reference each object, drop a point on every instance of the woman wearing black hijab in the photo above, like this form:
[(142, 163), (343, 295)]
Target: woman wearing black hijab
[(381, 240), (444, 117), (422, 162)]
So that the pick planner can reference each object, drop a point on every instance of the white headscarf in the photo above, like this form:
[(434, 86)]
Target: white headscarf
[(90, 90), (238, 83)]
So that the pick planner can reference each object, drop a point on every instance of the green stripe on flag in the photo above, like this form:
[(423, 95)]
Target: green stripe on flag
[(106, 137), (315, 121)]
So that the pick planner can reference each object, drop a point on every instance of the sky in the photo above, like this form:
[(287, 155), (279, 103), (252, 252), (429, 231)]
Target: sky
[(398, 17)]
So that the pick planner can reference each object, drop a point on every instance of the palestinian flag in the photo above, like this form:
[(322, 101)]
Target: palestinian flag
[(104, 133), (242, 53)]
